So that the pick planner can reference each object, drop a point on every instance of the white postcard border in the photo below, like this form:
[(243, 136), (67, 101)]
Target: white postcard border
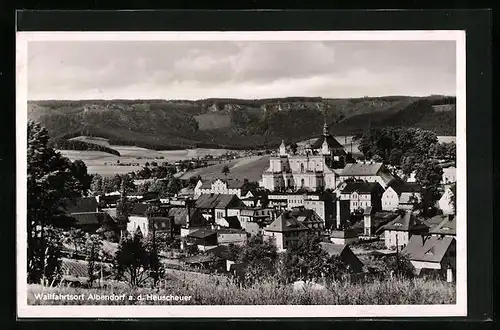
[(210, 311)]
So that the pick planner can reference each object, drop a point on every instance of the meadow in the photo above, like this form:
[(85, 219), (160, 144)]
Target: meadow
[(209, 291), (250, 168)]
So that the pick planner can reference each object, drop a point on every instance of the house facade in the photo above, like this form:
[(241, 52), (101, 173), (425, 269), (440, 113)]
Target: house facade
[(397, 233), (446, 201), (362, 195), (284, 230), (219, 186), (400, 195), (449, 175)]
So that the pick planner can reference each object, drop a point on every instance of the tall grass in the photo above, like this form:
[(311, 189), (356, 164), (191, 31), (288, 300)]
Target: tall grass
[(210, 292)]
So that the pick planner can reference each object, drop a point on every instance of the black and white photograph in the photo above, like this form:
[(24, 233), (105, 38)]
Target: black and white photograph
[(241, 174)]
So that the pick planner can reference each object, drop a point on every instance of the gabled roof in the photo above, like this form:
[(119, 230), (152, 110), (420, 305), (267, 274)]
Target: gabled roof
[(202, 233), (330, 140), (305, 216), (405, 222), (360, 169), (332, 249), (286, 222), (446, 227), (430, 248), (80, 205), (180, 214), (435, 220), (400, 186), (219, 201), (223, 252), (360, 187), (233, 222)]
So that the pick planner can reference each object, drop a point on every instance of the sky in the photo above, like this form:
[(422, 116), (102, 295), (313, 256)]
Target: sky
[(191, 70)]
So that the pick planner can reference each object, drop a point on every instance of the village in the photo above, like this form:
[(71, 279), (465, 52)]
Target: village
[(362, 211)]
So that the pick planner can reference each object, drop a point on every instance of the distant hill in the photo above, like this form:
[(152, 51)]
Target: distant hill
[(235, 123)]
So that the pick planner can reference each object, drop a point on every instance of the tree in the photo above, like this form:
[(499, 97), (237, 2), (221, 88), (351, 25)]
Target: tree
[(96, 185), (79, 170), (93, 249), (76, 237), (123, 208), (305, 260), (174, 186), (428, 174), (50, 180), (131, 260), (399, 265), (225, 170), (294, 147), (160, 187), (259, 257)]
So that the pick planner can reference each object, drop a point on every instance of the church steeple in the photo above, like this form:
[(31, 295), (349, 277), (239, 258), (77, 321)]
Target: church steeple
[(325, 128)]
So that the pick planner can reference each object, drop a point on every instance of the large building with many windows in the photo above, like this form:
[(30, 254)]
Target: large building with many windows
[(311, 168)]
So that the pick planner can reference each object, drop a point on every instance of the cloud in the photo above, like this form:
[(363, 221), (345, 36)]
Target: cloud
[(193, 70)]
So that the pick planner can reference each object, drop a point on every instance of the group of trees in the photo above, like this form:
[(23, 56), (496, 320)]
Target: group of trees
[(394, 144), (411, 150), (81, 145), (155, 171), (102, 185), (51, 178)]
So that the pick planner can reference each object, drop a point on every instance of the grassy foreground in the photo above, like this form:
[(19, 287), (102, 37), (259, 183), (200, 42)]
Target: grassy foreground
[(206, 292)]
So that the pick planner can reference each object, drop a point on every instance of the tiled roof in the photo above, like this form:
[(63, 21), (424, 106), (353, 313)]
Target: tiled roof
[(446, 227), (223, 252), (361, 187), (233, 222), (202, 233), (80, 205), (305, 216), (400, 186), (332, 249), (180, 214), (286, 222), (220, 201), (430, 248), (360, 169), (330, 140), (405, 222)]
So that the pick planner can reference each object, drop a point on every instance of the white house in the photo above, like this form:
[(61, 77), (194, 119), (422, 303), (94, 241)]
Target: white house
[(219, 186), (449, 175), (397, 233), (399, 195), (446, 201)]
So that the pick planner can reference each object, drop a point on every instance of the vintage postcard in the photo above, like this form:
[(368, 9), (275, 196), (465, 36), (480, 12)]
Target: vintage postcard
[(241, 174)]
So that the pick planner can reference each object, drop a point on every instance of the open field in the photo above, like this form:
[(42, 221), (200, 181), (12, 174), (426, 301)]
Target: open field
[(250, 168), (208, 291), (247, 167), (107, 164)]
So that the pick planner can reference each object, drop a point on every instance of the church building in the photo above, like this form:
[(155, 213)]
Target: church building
[(312, 168)]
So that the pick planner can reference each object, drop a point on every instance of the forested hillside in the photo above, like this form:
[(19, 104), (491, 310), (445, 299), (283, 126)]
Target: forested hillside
[(233, 123)]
